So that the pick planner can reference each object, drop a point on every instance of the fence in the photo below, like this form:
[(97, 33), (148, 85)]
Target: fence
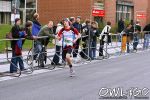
[(115, 48)]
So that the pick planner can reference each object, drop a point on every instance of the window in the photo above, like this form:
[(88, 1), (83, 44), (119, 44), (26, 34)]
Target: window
[(31, 3), (124, 10), (27, 10)]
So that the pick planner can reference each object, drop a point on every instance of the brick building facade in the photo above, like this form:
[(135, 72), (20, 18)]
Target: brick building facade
[(114, 9)]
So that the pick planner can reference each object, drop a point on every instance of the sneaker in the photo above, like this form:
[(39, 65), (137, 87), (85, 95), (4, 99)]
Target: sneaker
[(72, 72), (59, 64)]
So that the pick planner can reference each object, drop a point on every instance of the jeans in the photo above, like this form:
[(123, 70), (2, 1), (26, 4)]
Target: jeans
[(146, 41), (93, 50), (14, 63), (135, 41), (101, 48)]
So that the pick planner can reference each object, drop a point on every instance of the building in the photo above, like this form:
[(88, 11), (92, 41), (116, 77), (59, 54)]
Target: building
[(99, 10), (113, 10), (11, 9), (5, 12)]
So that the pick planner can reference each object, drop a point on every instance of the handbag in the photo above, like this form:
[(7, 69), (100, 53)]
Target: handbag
[(9, 35)]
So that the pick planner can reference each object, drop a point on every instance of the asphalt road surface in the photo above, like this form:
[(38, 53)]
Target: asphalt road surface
[(124, 72)]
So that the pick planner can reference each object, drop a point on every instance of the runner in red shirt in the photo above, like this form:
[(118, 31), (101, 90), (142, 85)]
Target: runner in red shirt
[(69, 36)]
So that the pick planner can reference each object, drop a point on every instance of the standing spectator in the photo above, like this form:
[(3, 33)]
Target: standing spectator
[(121, 25), (135, 35), (146, 36), (28, 27), (127, 32), (72, 21), (46, 30), (78, 26), (58, 46), (94, 33), (104, 37), (16, 46), (36, 25), (85, 32), (132, 30)]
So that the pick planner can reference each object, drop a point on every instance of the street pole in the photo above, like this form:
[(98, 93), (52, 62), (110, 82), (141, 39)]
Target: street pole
[(25, 13), (89, 46)]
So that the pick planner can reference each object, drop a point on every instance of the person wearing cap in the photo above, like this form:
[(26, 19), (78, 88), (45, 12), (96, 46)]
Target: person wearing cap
[(16, 46), (69, 36)]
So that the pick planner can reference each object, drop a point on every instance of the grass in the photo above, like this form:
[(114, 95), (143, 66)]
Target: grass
[(6, 29)]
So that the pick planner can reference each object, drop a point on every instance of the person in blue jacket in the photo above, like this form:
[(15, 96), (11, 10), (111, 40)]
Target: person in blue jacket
[(36, 25)]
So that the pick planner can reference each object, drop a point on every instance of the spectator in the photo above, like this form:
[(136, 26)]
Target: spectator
[(58, 46), (94, 33), (85, 32), (46, 30), (135, 35), (127, 32), (72, 20), (146, 36), (36, 25), (16, 45), (121, 25), (104, 37), (28, 27), (78, 26)]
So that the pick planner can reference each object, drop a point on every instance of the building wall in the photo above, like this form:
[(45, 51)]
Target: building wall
[(57, 9), (141, 6), (110, 11)]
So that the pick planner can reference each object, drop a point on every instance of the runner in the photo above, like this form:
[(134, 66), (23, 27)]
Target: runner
[(69, 37)]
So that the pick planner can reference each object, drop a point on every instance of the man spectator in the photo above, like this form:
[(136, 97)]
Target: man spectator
[(146, 36), (121, 25), (16, 46), (135, 35), (78, 26), (36, 25), (46, 30)]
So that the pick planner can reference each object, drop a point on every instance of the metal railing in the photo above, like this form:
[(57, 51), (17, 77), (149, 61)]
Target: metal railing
[(114, 48)]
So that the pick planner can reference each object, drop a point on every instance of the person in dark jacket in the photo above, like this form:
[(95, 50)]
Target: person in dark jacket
[(16, 46), (36, 25), (85, 42), (78, 26), (94, 33), (121, 25), (146, 36), (127, 33), (135, 35)]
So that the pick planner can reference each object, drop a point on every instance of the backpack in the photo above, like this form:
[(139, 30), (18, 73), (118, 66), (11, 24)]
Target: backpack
[(9, 35)]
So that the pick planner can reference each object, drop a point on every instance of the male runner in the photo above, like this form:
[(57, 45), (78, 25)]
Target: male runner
[(69, 36)]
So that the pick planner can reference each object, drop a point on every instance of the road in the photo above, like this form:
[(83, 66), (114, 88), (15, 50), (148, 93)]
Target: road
[(126, 72)]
